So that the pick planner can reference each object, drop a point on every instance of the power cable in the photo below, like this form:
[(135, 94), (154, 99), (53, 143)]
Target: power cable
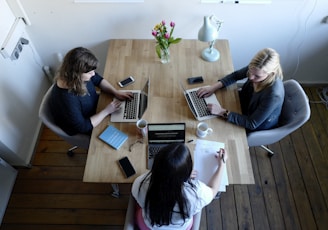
[(323, 95)]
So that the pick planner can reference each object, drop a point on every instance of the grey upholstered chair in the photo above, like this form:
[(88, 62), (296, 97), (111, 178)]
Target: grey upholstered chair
[(295, 112), (130, 212), (79, 140)]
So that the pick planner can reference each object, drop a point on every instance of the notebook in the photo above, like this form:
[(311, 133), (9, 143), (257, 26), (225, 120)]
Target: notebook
[(132, 110), (206, 164), (197, 105), (113, 137), (162, 134)]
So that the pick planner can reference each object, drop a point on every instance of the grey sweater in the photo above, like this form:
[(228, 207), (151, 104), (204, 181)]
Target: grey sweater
[(260, 110)]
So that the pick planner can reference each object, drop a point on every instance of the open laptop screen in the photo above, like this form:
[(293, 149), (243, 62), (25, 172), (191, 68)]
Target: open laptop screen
[(166, 133), (143, 100)]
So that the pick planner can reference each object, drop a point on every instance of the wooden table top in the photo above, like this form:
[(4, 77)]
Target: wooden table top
[(166, 103)]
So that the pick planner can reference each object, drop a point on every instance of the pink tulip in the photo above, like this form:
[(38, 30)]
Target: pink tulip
[(172, 24), (163, 23), (167, 35), (154, 33)]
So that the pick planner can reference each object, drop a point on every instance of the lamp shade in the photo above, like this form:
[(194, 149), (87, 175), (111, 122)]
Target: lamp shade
[(208, 32)]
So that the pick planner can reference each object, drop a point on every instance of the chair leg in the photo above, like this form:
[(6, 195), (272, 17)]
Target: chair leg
[(270, 152), (116, 190), (70, 152)]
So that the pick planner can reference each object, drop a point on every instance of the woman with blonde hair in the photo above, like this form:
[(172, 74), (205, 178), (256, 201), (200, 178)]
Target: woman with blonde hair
[(261, 96)]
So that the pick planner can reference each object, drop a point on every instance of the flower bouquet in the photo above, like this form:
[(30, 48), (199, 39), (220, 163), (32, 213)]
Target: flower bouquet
[(164, 39)]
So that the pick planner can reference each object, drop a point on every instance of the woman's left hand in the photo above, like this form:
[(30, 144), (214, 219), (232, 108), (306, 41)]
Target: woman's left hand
[(123, 95), (193, 174)]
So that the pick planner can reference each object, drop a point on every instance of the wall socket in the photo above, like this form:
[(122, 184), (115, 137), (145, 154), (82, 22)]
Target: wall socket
[(18, 48), (14, 41)]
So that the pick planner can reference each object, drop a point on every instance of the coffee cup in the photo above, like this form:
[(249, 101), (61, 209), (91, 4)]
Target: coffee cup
[(142, 127), (203, 130)]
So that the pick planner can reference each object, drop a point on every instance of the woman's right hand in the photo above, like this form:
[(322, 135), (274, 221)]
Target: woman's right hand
[(222, 156), (113, 106)]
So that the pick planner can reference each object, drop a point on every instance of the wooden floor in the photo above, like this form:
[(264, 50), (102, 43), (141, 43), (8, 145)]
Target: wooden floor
[(291, 189)]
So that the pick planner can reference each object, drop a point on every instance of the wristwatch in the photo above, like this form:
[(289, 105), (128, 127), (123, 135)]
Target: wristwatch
[(225, 114)]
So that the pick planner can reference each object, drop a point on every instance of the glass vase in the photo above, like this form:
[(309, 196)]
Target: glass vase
[(165, 55)]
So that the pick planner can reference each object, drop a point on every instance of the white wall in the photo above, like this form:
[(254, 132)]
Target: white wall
[(292, 27), (22, 85)]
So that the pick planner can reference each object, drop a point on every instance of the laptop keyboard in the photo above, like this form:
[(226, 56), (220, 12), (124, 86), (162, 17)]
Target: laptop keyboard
[(200, 104), (130, 110), (153, 150)]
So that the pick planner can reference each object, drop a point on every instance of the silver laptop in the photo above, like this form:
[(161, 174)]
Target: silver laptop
[(198, 105), (162, 134), (132, 110)]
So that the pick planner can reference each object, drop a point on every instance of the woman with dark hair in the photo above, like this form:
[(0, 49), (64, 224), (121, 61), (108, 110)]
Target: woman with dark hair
[(74, 99), (168, 196), (261, 96)]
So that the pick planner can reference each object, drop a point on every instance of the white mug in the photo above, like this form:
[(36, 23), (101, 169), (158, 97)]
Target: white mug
[(203, 130), (142, 127)]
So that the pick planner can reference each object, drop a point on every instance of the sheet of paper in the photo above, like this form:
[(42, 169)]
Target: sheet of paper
[(205, 162)]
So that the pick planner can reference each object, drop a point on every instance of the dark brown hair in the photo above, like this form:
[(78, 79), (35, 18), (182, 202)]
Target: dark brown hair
[(76, 62)]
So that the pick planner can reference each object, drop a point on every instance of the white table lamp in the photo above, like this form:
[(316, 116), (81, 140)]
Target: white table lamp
[(209, 33)]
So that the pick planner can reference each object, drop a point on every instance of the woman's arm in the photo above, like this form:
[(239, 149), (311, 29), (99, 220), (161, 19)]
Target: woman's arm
[(216, 179), (224, 82), (263, 104), (110, 108), (108, 88)]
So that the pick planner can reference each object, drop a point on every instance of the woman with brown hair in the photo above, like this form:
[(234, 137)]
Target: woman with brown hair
[(74, 99)]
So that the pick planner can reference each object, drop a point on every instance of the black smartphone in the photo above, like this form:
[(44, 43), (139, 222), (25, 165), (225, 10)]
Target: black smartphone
[(195, 80), (127, 167), (126, 82)]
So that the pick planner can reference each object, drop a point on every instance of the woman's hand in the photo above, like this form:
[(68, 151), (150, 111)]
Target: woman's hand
[(123, 95), (221, 156), (208, 91), (193, 174), (113, 106), (110, 108), (216, 109), (205, 91)]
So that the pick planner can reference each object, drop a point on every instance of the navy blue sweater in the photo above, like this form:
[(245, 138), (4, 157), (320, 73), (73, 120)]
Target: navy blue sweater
[(72, 112)]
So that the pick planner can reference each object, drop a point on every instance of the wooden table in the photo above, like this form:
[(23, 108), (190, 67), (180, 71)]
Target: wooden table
[(166, 104)]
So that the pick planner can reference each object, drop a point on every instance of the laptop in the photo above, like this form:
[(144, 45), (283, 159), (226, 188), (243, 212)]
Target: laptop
[(132, 110), (161, 135), (198, 105)]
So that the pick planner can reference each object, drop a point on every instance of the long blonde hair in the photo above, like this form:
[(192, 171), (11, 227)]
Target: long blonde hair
[(76, 62), (267, 60)]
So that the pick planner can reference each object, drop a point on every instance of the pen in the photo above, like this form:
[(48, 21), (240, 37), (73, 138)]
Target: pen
[(190, 141), (223, 158)]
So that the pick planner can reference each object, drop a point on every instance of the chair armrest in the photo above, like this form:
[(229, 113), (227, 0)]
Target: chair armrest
[(267, 137)]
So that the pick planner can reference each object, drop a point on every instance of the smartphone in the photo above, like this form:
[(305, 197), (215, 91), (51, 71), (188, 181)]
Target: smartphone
[(127, 167), (126, 82), (195, 80)]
